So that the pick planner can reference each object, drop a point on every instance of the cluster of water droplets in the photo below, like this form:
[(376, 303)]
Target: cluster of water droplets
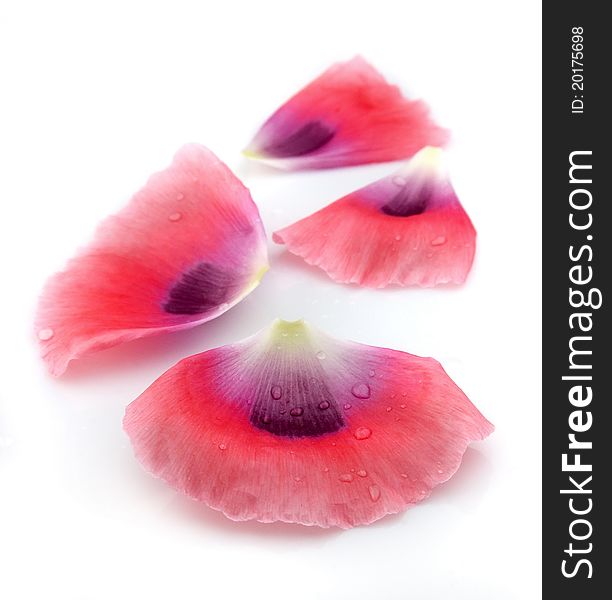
[(176, 216), (373, 489)]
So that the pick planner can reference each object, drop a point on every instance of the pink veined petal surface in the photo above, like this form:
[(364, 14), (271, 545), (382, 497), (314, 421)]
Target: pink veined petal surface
[(188, 246), (406, 229), (292, 425), (349, 115)]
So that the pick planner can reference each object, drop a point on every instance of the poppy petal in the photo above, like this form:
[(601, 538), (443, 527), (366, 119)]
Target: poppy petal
[(292, 425), (188, 246), (406, 229), (349, 115)]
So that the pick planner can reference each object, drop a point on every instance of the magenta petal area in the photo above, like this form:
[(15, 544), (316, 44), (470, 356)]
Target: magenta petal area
[(187, 247), (407, 229), (293, 425), (349, 115)]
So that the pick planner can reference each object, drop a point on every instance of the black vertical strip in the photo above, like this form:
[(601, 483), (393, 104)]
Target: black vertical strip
[(577, 255)]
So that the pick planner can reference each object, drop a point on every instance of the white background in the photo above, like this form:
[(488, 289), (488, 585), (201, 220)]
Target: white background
[(96, 96)]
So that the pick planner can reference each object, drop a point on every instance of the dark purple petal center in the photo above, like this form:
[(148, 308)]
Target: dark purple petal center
[(310, 137), (201, 289)]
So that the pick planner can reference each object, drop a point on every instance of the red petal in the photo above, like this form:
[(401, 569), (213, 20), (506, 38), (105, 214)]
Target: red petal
[(187, 247), (349, 115), (291, 425), (406, 229)]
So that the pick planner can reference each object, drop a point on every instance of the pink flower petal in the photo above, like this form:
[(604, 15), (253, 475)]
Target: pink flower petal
[(187, 247), (349, 115), (260, 429), (406, 229)]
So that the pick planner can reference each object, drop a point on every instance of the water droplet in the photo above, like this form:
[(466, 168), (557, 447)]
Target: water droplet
[(371, 372), (362, 473), (438, 241), (324, 405), (180, 196), (389, 408), (175, 216), (284, 333), (346, 478), (440, 471), (333, 443), (374, 492), (298, 411), (276, 392), (222, 446), (45, 334), (321, 355), (400, 181), (266, 419), (404, 394), (392, 395), (402, 406), (325, 469), (398, 238), (362, 433), (297, 479), (404, 475), (347, 406), (361, 390)]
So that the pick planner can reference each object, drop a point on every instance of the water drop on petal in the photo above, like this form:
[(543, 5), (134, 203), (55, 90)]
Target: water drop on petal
[(362, 473), (346, 478), (362, 433), (45, 334), (374, 492), (276, 392), (298, 411), (175, 216), (324, 405), (438, 241), (361, 390)]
